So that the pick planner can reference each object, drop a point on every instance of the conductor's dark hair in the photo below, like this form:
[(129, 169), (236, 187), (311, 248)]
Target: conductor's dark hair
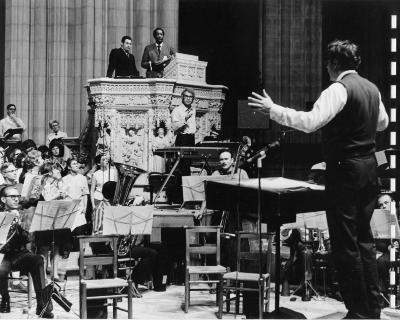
[(10, 106), (345, 53), (125, 38), (156, 29)]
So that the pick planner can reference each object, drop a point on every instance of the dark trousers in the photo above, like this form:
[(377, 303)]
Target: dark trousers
[(144, 269), (351, 189), (24, 262), (184, 140)]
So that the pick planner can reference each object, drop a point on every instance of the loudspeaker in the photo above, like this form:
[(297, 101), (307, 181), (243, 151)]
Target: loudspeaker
[(249, 118)]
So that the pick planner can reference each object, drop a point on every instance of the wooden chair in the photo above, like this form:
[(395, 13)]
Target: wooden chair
[(193, 234), (239, 281), (29, 286), (113, 284)]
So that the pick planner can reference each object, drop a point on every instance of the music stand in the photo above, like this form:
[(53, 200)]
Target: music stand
[(6, 218), (136, 220), (52, 215), (12, 131)]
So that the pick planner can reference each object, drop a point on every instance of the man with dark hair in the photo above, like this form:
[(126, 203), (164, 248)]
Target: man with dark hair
[(11, 121), (350, 112), (183, 120), (157, 56), (122, 61)]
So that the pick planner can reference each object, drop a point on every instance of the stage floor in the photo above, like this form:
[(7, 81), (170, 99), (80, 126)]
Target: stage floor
[(167, 305)]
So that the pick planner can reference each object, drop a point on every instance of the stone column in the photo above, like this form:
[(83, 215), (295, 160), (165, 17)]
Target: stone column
[(53, 47), (168, 19)]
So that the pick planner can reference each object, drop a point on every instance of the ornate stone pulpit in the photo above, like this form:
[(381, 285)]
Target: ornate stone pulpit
[(127, 111)]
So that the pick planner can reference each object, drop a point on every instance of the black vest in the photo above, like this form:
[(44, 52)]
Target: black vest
[(352, 131)]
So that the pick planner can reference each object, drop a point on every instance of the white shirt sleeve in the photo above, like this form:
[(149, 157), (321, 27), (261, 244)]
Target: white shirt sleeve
[(177, 119), (328, 105), (383, 118)]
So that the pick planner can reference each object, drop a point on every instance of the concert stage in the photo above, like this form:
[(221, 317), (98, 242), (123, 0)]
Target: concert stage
[(167, 305)]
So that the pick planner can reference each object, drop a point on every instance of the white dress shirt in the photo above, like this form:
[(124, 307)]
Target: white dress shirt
[(329, 104), (57, 135), (178, 120)]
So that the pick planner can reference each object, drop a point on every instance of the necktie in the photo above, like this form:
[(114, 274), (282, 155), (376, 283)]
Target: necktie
[(159, 49)]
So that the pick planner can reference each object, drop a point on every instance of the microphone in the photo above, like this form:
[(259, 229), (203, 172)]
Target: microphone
[(262, 152)]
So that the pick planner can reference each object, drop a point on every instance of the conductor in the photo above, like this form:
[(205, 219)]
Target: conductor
[(350, 112)]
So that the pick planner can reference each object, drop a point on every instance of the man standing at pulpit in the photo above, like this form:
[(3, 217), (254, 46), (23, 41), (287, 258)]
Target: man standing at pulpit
[(122, 61), (157, 56)]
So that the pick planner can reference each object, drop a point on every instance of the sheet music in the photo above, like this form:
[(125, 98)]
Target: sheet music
[(128, 220), (315, 220), (283, 183), (194, 189), (46, 211), (27, 186), (381, 222), (6, 218), (277, 184)]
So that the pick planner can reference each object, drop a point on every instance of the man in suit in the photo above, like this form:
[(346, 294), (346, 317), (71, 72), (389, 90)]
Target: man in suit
[(157, 56), (122, 61)]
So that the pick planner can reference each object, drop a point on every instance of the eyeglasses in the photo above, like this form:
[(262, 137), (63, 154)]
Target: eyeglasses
[(14, 196), (188, 97), (10, 171)]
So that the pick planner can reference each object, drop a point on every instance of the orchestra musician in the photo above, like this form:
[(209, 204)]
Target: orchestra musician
[(18, 257)]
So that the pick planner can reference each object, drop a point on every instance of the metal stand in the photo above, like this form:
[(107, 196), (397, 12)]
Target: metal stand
[(53, 292), (306, 283), (260, 273), (167, 179)]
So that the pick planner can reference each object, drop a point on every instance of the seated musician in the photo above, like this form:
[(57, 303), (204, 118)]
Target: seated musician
[(18, 257), (226, 166), (383, 249)]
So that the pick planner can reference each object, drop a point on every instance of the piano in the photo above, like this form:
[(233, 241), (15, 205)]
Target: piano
[(281, 200)]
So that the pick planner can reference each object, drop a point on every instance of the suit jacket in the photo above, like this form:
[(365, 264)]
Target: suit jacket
[(150, 53), (123, 64)]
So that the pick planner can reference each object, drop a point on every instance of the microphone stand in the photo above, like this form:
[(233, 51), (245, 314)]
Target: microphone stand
[(259, 168), (283, 143)]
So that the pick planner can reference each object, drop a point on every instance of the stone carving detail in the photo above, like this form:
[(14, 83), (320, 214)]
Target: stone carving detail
[(127, 112), (132, 132), (103, 100), (186, 68)]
